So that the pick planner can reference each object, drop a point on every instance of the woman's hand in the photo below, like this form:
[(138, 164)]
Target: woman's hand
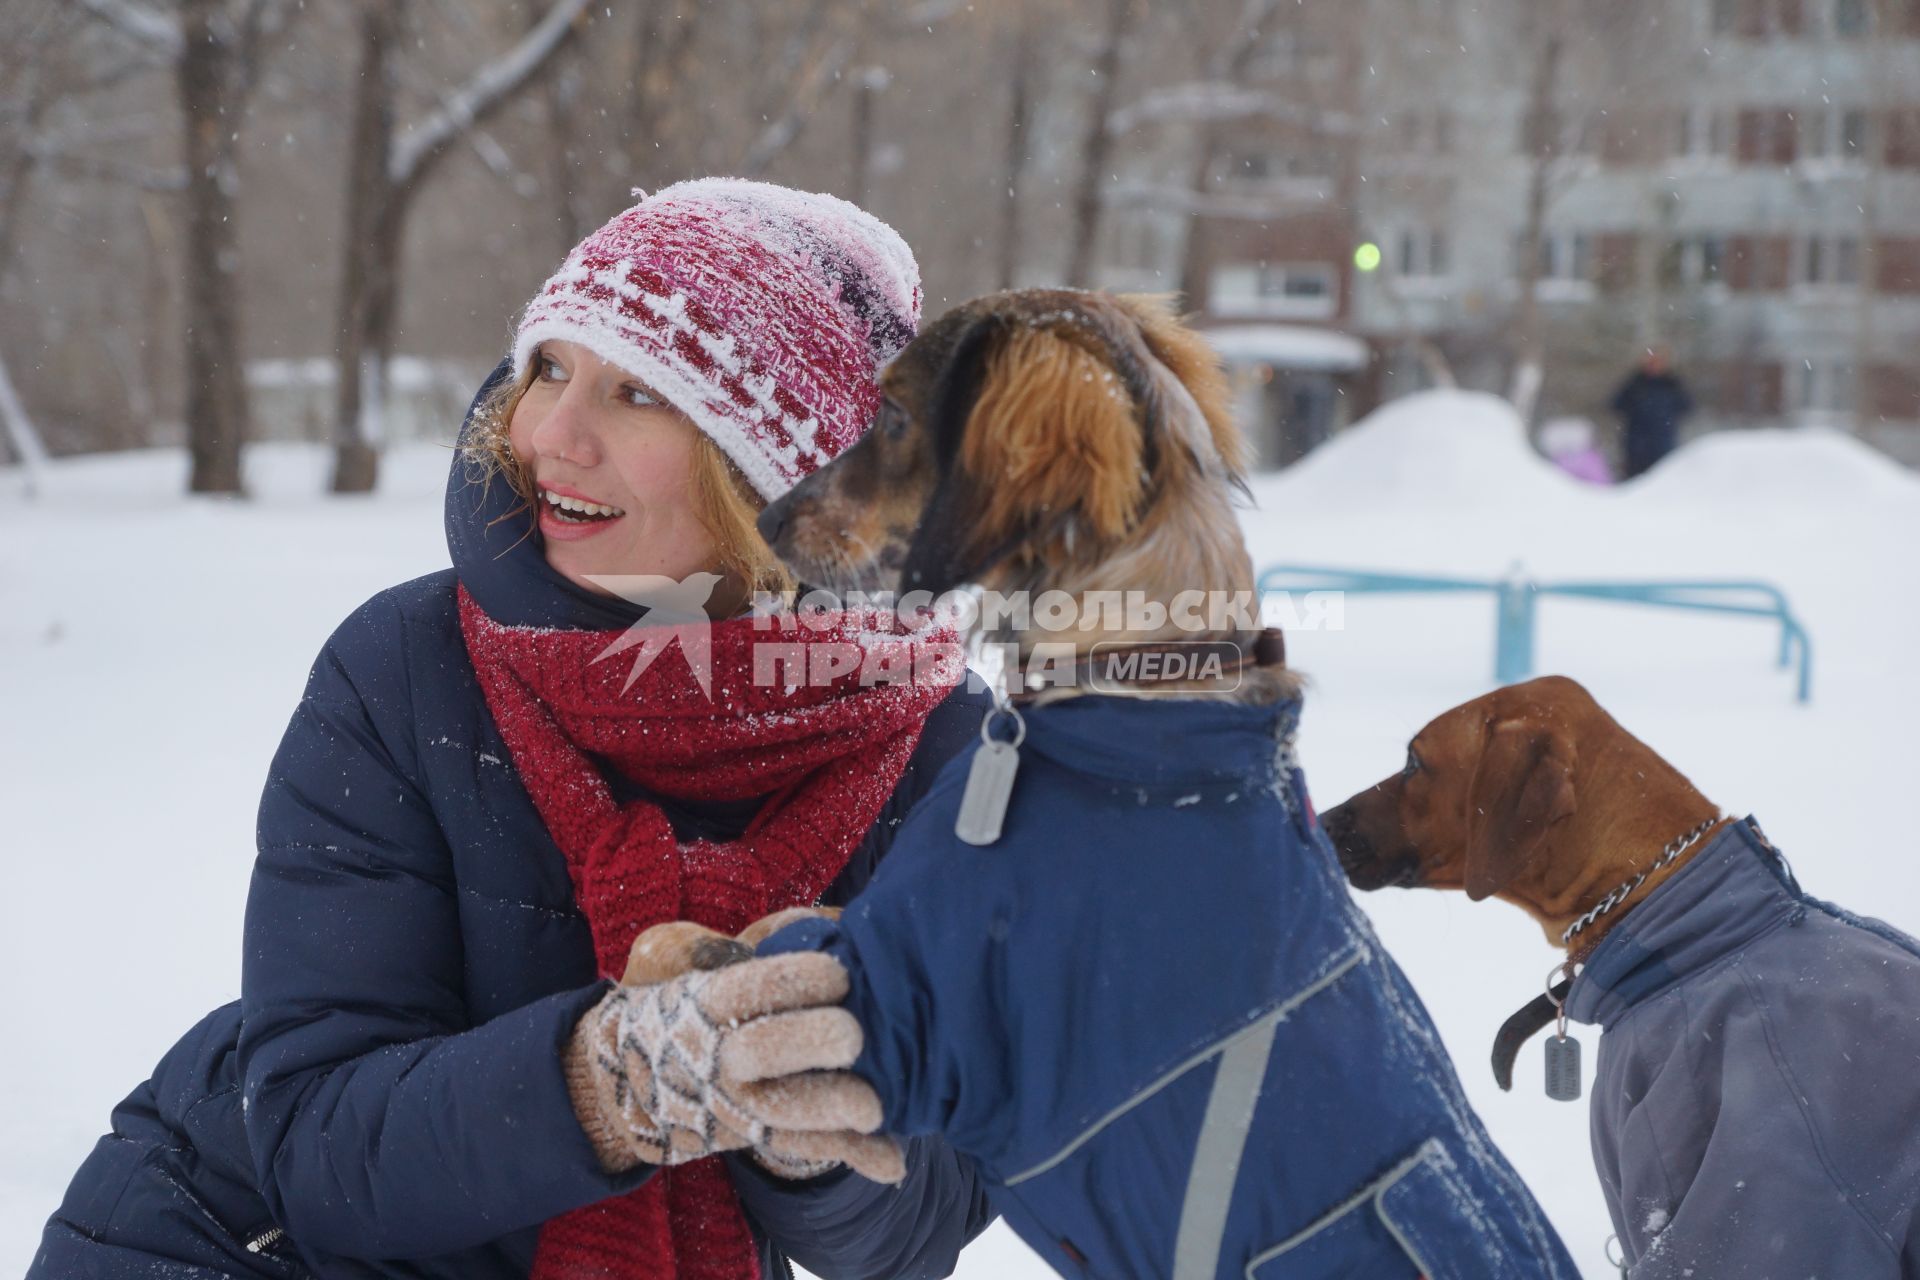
[(750, 1055)]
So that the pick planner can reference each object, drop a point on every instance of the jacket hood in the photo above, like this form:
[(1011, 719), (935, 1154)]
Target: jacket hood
[(497, 551), (1730, 893)]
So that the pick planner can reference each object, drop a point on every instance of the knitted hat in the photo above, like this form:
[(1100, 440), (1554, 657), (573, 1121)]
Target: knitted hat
[(761, 313)]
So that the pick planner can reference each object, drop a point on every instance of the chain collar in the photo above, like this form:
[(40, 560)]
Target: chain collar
[(1621, 893)]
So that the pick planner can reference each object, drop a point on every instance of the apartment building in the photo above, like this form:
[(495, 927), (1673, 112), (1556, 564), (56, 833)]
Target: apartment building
[(1736, 179)]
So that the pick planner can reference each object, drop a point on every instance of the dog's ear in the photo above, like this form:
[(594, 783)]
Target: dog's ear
[(1522, 786), (1033, 429), (1196, 366), (1054, 436), (944, 552)]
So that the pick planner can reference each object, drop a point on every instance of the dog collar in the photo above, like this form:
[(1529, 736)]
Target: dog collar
[(1625, 890), (1533, 1016), (1108, 664)]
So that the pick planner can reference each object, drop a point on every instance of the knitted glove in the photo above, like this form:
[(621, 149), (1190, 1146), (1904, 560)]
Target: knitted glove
[(799, 1155), (721, 1059)]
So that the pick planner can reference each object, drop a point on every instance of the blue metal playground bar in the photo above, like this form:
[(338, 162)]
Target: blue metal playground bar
[(1516, 598)]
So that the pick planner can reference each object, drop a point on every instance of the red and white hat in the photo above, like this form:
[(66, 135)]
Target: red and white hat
[(762, 313)]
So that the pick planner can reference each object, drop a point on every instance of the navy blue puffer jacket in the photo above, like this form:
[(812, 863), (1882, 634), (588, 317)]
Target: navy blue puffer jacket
[(386, 1099)]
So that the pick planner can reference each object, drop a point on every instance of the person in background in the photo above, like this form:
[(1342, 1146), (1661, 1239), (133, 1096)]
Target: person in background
[(1569, 445), (1651, 403)]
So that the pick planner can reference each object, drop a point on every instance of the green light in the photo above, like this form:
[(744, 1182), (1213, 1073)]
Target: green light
[(1367, 256)]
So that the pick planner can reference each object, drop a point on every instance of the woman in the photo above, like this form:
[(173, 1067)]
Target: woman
[(473, 814)]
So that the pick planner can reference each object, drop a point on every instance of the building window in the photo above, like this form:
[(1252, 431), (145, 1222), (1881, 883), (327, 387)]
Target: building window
[(1694, 261), (1421, 253), (1251, 166), (1273, 290), (1768, 136), (1821, 386), (1835, 135), (1564, 255), (1301, 162), (1852, 17), (1294, 281), (1828, 261), (1426, 131), (1706, 133)]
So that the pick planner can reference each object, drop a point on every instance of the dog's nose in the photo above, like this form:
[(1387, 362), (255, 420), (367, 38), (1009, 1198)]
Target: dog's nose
[(773, 521)]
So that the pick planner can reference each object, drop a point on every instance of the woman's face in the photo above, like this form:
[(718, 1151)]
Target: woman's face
[(593, 436)]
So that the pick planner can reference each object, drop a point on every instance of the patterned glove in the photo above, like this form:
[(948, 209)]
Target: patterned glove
[(799, 1155), (722, 1059)]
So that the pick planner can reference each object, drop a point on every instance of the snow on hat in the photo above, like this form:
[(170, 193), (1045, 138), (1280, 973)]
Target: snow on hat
[(762, 313)]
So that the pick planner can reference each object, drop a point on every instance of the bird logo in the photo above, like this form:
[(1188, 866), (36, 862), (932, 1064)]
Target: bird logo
[(676, 609)]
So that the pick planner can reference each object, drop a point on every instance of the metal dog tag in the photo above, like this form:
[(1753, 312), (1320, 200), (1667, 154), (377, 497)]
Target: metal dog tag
[(1563, 1068), (983, 805)]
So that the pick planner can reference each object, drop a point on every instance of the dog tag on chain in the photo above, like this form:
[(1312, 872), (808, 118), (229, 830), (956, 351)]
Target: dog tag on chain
[(983, 805), (1563, 1068)]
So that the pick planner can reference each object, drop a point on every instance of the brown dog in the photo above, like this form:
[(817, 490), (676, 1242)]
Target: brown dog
[(1532, 794), (1754, 1099), (1046, 440)]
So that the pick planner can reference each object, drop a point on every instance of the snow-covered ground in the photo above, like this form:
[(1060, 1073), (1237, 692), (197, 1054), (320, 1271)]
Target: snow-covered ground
[(152, 648)]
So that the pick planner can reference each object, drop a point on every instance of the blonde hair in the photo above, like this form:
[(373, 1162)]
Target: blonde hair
[(726, 504)]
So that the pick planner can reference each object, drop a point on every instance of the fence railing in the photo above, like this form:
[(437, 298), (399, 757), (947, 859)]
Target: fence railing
[(1517, 597)]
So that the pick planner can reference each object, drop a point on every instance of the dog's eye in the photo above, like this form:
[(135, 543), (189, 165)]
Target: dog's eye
[(1412, 765), (893, 420)]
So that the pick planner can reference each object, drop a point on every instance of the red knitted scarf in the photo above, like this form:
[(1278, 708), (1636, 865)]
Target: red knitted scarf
[(826, 752)]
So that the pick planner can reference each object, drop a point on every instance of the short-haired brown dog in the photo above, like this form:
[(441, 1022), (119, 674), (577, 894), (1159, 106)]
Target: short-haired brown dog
[(1755, 1102), (1532, 794)]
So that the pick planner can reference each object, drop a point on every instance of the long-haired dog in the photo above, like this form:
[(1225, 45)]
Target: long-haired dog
[(1145, 1006), (1047, 441)]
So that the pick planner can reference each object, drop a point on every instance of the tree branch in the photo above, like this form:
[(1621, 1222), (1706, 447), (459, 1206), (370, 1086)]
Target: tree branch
[(781, 132), (1311, 193), (1203, 101), (145, 27), (144, 177), (489, 88)]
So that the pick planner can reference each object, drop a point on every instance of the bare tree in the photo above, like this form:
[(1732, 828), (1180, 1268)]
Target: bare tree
[(47, 64), (812, 57), (1543, 144), (213, 50), (23, 104), (1022, 51), (1097, 146), (386, 170), (1227, 65)]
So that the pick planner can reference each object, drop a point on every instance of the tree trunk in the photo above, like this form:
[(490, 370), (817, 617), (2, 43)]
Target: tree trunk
[(1543, 144), (21, 434), (366, 258), (867, 84), (1193, 254), (1866, 293), (1014, 160), (216, 392), (560, 96), (1097, 147)]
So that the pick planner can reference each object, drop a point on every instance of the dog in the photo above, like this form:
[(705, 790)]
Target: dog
[(1756, 1101), (1047, 440), (1139, 998)]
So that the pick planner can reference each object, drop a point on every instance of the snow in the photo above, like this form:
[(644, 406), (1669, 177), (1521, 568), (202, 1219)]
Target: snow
[(152, 648)]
